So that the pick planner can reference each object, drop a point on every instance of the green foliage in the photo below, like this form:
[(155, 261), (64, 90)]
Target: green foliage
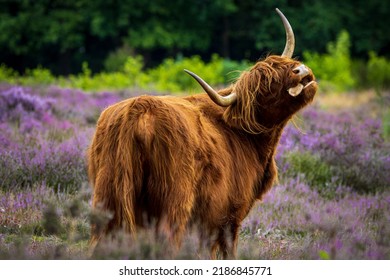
[(169, 76), (84, 80), (386, 124), (38, 76), (133, 67), (232, 69), (324, 255), (7, 74), (115, 61), (333, 69), (378, 72), (130, 75), (312, 169)]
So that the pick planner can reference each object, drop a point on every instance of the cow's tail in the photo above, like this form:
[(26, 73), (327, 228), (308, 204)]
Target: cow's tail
[(128, 168), (112, 165)]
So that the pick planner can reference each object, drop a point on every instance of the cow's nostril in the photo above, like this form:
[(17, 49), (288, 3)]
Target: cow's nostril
[(301, 71)]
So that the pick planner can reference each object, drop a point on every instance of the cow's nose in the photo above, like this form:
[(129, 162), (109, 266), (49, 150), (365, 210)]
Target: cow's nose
[(302, 71)]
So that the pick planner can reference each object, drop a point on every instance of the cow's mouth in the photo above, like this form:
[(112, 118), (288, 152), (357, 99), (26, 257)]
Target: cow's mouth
[(306, 81)]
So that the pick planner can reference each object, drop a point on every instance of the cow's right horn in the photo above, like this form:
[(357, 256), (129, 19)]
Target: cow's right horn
[(220, 100), (290, 39)]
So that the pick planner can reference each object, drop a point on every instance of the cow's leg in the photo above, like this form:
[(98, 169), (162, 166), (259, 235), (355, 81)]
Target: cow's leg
[(234, 237), (181, 207), (176, 212), (106, 216), (214, 251), (205, 241), (222, 247)]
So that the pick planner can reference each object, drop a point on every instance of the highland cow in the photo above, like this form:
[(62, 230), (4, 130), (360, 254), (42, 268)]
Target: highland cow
[(203, 159)]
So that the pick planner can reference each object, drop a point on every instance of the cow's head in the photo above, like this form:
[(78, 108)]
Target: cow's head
[(269, 93)]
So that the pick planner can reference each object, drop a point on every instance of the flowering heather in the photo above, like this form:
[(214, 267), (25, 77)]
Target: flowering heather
[(44, 134), (37, 223), (294, 222), (17, 102), (14, 204), (353, 148), (72, 104)]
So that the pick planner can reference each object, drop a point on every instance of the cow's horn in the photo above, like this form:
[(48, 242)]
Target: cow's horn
[(220, 100), (290, 40)]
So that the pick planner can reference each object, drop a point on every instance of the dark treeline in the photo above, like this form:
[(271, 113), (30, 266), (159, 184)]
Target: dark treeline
[(60, 35)]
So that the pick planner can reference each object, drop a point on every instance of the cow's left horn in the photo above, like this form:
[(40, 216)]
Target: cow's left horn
[(290, 39), (220, 100)]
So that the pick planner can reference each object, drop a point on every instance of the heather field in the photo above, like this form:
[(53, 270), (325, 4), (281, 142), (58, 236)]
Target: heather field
[(332, 200)]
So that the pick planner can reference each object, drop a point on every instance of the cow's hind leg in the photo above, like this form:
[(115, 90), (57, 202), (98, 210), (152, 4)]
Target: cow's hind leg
[(234, 230), (176, 213), (220, 246), (225, 246), (172, 197)]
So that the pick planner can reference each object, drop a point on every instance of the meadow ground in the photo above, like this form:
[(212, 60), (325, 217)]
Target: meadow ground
[(332, 200)]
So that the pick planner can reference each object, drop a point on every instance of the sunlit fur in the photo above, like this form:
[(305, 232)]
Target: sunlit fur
[(186, 161)]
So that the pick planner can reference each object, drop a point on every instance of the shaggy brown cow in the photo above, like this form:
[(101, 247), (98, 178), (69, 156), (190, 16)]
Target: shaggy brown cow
[(202, 159)]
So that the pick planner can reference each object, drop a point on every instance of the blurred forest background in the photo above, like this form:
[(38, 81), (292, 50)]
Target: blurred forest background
[(61, 35)]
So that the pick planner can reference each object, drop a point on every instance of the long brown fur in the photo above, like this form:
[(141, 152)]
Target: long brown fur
[(182, 161)]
